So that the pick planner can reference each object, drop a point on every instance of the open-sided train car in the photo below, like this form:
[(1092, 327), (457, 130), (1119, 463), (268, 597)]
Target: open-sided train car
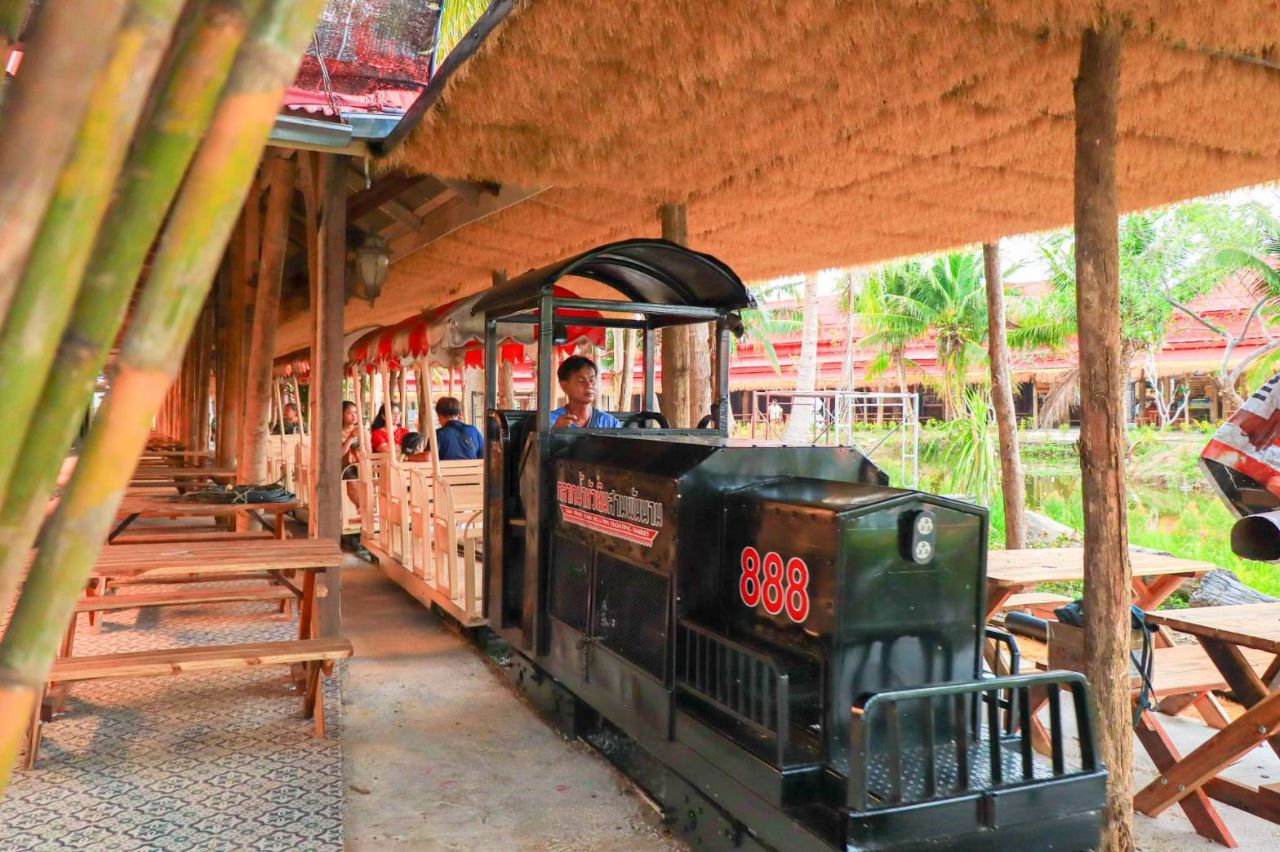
[(784, 650)]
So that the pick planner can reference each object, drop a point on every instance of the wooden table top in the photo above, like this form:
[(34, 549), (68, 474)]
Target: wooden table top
[(156, 560), (1247, 625), (139, 504), (1065, 564), (148, 473)]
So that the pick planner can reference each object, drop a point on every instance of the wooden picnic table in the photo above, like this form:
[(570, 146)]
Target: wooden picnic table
[(1226, 633), (135, 506), (1155, 575), (205, 562)]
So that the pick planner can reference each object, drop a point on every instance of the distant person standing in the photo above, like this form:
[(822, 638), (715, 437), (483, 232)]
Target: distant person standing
[(457, 441)]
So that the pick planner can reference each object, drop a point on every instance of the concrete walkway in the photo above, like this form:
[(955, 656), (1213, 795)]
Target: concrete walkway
[(441, 754)]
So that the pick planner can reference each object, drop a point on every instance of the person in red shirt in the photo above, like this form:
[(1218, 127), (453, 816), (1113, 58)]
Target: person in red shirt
[(380, 438)]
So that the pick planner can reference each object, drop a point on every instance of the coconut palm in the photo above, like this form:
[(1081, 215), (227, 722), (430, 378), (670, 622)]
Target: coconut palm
[(888, 330), (945, 298)]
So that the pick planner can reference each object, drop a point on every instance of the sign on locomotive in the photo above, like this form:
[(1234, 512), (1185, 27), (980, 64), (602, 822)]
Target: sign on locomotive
[(786, 652)]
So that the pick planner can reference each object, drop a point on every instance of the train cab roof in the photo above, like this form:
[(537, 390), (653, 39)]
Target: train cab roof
[(643, 271)]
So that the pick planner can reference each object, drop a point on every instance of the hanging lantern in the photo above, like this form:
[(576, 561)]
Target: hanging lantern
[(372, 259)]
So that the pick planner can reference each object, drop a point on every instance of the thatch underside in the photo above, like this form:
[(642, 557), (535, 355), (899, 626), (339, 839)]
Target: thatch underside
[(816, 134)]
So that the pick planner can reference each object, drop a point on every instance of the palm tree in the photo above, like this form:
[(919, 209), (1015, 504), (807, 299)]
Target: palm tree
[(946, 298), (889, 331)]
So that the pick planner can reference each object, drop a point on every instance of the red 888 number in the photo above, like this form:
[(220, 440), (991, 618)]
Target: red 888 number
[(766, 581)]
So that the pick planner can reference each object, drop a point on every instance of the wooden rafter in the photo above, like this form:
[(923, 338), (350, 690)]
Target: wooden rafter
[(457, 213)]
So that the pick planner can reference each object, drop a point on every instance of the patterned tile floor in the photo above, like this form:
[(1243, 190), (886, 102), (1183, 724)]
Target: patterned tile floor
[(210, 762)]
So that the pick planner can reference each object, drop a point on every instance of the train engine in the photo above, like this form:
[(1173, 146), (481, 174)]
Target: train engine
[(791, 650)]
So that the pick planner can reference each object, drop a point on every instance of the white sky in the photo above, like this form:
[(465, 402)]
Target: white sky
[(1022, 250)]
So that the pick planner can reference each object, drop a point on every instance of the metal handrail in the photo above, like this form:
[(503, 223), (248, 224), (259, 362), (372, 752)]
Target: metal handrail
[(963, 703)]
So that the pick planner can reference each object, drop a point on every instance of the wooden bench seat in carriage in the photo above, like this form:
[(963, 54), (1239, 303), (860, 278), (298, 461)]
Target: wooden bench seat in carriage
[(458, 511), (467, 478), (317, 655)]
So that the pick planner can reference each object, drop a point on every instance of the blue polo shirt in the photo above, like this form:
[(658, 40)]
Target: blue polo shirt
[(458, 441), (599, 419)]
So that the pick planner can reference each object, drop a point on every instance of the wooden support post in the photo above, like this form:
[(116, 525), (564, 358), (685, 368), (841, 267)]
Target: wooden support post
[(202, 389), (1102, 440), (326, 373), (1012, 483), (247, 260), (252, 466), (232, 392), (677, 342)]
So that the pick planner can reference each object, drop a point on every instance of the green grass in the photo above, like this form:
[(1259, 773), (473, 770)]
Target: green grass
[(1197, 527)]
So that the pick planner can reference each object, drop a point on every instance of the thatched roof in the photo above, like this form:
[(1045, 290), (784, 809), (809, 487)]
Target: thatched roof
[(809, 134)]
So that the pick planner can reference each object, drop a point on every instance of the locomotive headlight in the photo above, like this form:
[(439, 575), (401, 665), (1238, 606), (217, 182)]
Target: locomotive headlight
[(919, 536)]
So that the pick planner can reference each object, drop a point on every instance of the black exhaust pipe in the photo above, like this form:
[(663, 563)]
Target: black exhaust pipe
[(1257, 537), (1026, 625)]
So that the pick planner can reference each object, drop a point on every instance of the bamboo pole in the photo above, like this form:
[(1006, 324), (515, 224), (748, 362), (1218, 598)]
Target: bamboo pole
[(1012, 482), (148, 182), (275, 235), (196, 235), (47, 102), (1102, 441), (42, 304)]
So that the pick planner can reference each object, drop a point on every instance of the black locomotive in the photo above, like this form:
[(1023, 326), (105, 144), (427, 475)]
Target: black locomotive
[(783, 650)]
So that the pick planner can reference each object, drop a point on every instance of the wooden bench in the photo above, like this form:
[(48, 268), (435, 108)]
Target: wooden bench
[(163, 537), (1039, 604), (315, 654)]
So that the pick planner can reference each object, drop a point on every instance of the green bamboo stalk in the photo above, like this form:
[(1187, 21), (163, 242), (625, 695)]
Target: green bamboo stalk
[(12, 14), (150, 178), (70, 42), (46, 292), (188, 256)]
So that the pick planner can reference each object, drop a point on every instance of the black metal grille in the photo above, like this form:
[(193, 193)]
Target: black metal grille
[(571, 582), (915, 745), (631, 613)]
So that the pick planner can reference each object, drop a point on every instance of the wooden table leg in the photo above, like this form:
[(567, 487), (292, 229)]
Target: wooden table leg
[(996, 596), (307, 609), (1224, 748), (1245, 684), (1201, 813), (1148, 595)]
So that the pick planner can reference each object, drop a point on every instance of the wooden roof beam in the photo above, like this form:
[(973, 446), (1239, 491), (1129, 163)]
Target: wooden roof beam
[(456, 214)]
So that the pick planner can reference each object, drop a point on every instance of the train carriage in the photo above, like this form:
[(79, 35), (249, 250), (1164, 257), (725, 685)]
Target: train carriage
[(782, 648)]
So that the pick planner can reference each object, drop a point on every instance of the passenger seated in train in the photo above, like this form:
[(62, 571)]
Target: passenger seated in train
[(413, 447), (351, 450), (380, 437), (291, 420), (577, 377), (456, 441)]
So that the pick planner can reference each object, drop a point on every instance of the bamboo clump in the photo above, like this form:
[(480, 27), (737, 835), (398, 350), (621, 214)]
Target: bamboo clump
[(150, 177), (169, 302)]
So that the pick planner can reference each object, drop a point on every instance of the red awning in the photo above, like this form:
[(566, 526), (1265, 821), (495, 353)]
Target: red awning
[(449, 335)]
